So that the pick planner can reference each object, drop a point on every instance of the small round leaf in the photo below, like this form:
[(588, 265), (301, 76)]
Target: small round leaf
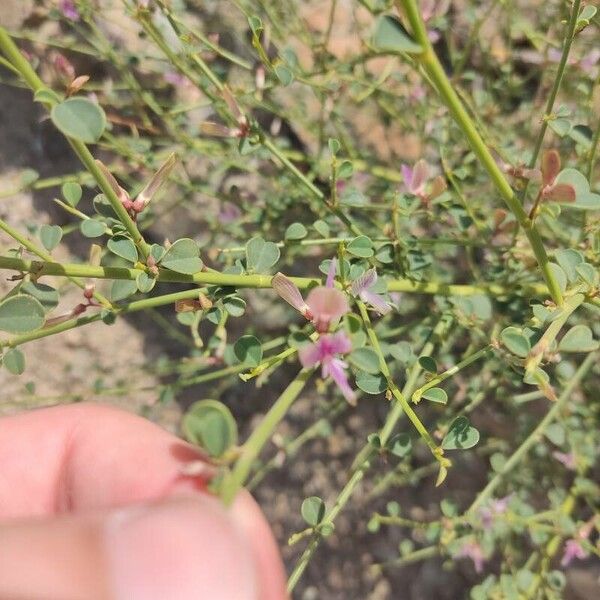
[(210, 425), (20, 314), (79, 118), (313, 510)]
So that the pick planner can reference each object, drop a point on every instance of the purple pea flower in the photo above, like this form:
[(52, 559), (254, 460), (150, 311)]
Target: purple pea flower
[(361, 287), (417, 181), (323, 306), (566, 458), (415, 178), (325, 352), (495, 508), (473, 550), (69, 10), (573, 549)]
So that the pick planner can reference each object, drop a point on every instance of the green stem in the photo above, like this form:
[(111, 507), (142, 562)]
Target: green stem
[(29, 245), (537, 352), (436, 73), (535, 436), (417, 394), (570, 34), (41, 268), (12, 53), (260, 436), (134, 306), (400, 399), (309, 185)]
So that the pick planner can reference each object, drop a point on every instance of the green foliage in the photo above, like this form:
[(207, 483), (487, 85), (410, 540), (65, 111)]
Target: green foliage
[(313, 510), (182, 257), (21, 314), (80, 119), (210, 425)]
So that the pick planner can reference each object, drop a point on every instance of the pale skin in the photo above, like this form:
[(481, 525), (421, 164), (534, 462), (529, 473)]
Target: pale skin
[(94, 506)]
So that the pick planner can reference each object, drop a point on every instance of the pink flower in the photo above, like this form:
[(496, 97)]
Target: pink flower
[(566, 458), (69, 10), (415, 178), (573, 549), (288, 291), (551, 190), (417, 181), (472, 550), (324, 305), (324, 352), (361, 287), (494, 509)]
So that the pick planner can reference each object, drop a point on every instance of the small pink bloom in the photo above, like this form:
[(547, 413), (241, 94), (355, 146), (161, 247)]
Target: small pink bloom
[(229, 212), (361, 287), (573, 549), (415, 178), (495, 508), (327, 305), (473, 550), (324, 304), (289, 292), (69, 10), (324, 352), (551, 190), (566, 458)]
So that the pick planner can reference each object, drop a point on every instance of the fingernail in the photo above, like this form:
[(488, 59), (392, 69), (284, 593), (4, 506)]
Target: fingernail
[(184, 549)]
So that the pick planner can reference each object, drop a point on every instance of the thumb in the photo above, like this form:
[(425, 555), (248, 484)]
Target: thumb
[(181, 548)]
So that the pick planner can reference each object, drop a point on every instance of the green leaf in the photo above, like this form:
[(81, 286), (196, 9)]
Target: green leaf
[(334, 145), (361, 246), (210, 425), (515, 341), (21, 313), (92, 228), (80, 119), (428, 364), (371, 383), (157, 252), (71, 192), (559, 275), (390, 36), (103, 207), (578, 339), (345, 169), (296, 231), (568, 260), (436, 394), (560, 126), (122, 288), (365, 359), (461, 435), (14, 361), (261, 255), (182, 257), (256, 25), (321, 228), (248, 350), (47, 296), (400, 445), (284, 74), (50, 235), (234, 305), (124, 247), (584, 198), (46, 96), (588, 274), (145, 283), (313, 510)]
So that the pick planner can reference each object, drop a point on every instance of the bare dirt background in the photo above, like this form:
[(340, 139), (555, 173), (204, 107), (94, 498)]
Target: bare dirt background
[(68, 368)]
